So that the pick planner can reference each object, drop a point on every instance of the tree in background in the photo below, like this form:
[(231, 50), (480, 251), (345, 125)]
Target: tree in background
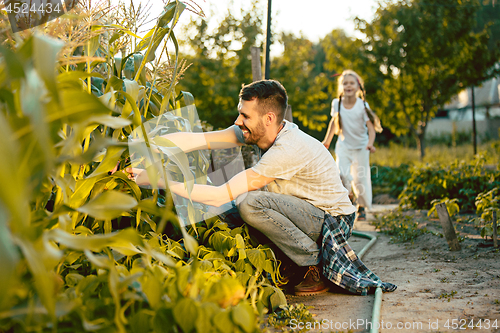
[(300, 69), (488, 15), (424, 50), (221, 63), (343, 52)]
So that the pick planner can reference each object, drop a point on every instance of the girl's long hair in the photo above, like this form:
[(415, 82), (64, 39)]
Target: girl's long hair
[(360, 93)]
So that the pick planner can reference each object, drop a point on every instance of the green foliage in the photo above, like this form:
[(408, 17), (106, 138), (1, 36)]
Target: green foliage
[(488, 16), (283, 317), (390, 180), (401, 227), (448, 296), (495, 145), (486, 204), (300, 70), (85, 250), (253, 264), (462, 180), (220, 63), (410, 41), (451, 206)]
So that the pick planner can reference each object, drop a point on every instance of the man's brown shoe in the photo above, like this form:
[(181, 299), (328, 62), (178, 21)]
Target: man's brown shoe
[(312, 283)]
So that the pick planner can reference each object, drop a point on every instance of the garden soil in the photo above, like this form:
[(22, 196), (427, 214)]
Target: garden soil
[(438, 290)]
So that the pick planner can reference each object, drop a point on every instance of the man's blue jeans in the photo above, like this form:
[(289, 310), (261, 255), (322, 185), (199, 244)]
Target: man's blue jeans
[(292, 224)]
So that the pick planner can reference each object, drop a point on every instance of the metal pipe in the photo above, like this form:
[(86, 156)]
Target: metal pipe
[(376, 311), (474, 134), (372, 241), (378, 292), (267, 59)]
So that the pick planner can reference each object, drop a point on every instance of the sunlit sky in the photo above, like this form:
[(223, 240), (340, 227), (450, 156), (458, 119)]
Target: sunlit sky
[(314, 18)]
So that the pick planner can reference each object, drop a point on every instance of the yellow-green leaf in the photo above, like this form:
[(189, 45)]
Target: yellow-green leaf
[(108, 205), (244, 317), (178, 157), (152, 287), (189, 242), (185, 313), (113, 154), (96, 243), (223, 322), (277, 298), (45, 52), (8, 259), (256, 257)]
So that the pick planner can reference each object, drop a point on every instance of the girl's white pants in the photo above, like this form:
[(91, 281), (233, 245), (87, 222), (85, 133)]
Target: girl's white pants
[(354, 167)]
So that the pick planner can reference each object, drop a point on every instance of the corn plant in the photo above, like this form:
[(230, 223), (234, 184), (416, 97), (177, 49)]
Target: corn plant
[(83, 249)]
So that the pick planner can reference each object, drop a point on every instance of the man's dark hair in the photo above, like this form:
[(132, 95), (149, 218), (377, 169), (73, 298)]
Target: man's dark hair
[(270, 94)]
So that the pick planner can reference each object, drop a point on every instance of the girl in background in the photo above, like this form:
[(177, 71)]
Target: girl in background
[(355, 124)]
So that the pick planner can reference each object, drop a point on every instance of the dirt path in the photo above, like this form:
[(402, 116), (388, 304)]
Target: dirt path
[(438, 290)]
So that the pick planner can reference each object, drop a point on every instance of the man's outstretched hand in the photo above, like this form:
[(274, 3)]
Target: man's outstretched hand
[(139, 176)]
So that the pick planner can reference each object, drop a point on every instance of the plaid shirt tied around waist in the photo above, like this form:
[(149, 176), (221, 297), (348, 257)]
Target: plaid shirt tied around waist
[(340, 264)]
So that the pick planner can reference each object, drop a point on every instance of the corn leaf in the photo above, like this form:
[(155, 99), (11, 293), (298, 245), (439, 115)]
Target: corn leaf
[(178, 157), (96, 243), (113, 154), (45, 51), (108, 205), (8, 259)]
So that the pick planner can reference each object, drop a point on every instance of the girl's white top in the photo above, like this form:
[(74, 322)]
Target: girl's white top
[(354, 134)]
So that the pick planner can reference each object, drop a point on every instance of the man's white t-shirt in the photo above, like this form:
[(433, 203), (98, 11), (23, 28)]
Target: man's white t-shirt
[(354, 133), (303, 168)]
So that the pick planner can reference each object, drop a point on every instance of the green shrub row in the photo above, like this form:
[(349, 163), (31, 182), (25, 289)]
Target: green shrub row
[(462, 180), (389, 180)]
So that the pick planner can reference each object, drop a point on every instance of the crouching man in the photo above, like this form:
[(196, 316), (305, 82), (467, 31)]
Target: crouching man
[(299, 179)]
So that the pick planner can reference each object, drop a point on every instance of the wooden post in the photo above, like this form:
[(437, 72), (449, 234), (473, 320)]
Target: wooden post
[(256, 66), (288, 114), (495, 242), (448, 229)]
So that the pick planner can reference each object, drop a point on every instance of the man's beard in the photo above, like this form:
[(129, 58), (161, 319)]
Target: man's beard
[(255, 134)]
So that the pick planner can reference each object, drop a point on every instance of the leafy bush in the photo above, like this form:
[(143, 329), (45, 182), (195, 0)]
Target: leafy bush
[(487, 203), (390, 180), (290, 315), (402, 228), (451, 206), (462, 180)]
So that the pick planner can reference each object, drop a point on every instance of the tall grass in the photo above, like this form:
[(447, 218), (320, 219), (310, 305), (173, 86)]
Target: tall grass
[(396, 155)]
